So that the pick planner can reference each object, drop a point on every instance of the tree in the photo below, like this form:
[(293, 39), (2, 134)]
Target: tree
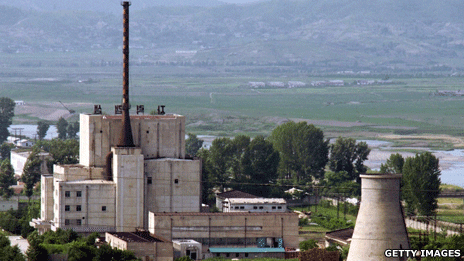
[(347, 155), (192, 144), (421, 184), (35, 251), (6, 117), (393, 165), (62, 128), (31, 171), (259, 163), (5, 150), (303, 151), (72, 130), (207, 185), (217, 164), (6, 179), (307, 244), (42, 128)]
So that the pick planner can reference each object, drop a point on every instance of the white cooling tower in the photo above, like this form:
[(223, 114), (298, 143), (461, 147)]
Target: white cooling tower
[(380, 222)]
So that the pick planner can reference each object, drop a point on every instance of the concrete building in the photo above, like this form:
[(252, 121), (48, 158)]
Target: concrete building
[(18, 159), (187, 247), (7, 204), (113, 188), (144, 245), (380, 223), (231, 194), (233, 229), (254, 205)]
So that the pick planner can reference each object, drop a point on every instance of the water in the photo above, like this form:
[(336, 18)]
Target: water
[(30, 131)]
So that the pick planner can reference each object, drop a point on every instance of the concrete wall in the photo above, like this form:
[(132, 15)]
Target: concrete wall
[(6, 205), (147, 251), (46, 194), (94, 196), (175, 185), (73, 172), (222, 225), (159, 136), (128, 174)]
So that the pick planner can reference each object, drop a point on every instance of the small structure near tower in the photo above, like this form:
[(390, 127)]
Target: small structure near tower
[(380, 222)]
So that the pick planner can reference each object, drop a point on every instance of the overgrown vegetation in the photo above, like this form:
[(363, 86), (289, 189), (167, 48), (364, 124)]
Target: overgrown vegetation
[(17, 221)]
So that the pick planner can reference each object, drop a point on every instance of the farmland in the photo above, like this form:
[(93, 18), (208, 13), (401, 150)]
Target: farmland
[(219, 102)]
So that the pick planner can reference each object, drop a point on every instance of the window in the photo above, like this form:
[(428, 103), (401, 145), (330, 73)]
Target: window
[(78, 194), (273, 207), (255, 207), (66, 208), (246, 254), (103, 208), (279, 207), (261, 207), (236, 207), (176, 181), (67, 194), (217, 254), (78, 222), (236, 254), (78, 208), (149, 180), (242, 207), (227, 255), (66, 222)]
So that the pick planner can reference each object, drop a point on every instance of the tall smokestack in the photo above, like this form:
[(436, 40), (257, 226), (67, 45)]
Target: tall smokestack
[(126, 139)]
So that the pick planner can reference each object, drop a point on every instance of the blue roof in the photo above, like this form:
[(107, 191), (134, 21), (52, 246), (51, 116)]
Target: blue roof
[(245, 250)]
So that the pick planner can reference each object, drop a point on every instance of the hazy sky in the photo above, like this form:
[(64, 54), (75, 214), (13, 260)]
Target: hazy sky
[(240, 1)]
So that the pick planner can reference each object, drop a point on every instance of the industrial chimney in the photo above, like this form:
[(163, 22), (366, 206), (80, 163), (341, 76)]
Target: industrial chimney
[(380, 223), (126, 139)]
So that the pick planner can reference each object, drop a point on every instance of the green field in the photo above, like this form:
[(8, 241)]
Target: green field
[(218, 101)]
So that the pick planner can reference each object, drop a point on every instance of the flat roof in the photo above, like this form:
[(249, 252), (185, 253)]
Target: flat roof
[(226, 214), (135, 237), (235, 194), (246, 250), (256, 200)]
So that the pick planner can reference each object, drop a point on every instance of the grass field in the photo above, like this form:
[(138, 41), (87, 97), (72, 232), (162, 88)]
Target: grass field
[(216, 101)]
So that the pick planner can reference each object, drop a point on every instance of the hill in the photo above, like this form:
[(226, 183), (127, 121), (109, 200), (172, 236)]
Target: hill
[(340, 34)]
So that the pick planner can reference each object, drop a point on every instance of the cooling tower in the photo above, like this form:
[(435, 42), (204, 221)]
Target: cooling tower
[(380, 222)]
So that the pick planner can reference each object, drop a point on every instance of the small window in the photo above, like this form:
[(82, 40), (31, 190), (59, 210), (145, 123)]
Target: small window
[(149, 181), (67, 208), (255, 207), (279, 207), (67, 194), (66, 222), (176, 181), (236, 207), (273, 207), (246, 254), (103, 208), (78, 222), (242, 207), (261, 207), (236, 254), (78, 194), (217, 254), (227, 255), (78, 208)]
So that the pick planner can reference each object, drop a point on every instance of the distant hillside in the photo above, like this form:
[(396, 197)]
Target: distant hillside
[(342, 33)]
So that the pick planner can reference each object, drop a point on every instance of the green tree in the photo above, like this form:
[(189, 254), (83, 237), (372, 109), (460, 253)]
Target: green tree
[(62, 128), (35, 251), (259, 163), (393, 165), (31, 171), (347, 155), (302, 148), (6, 179), (207, 181), (192, 144), (6, 117), (307, 244), (217, 164), (5, 150), (42, 128), (72, 130), (421, 184)]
